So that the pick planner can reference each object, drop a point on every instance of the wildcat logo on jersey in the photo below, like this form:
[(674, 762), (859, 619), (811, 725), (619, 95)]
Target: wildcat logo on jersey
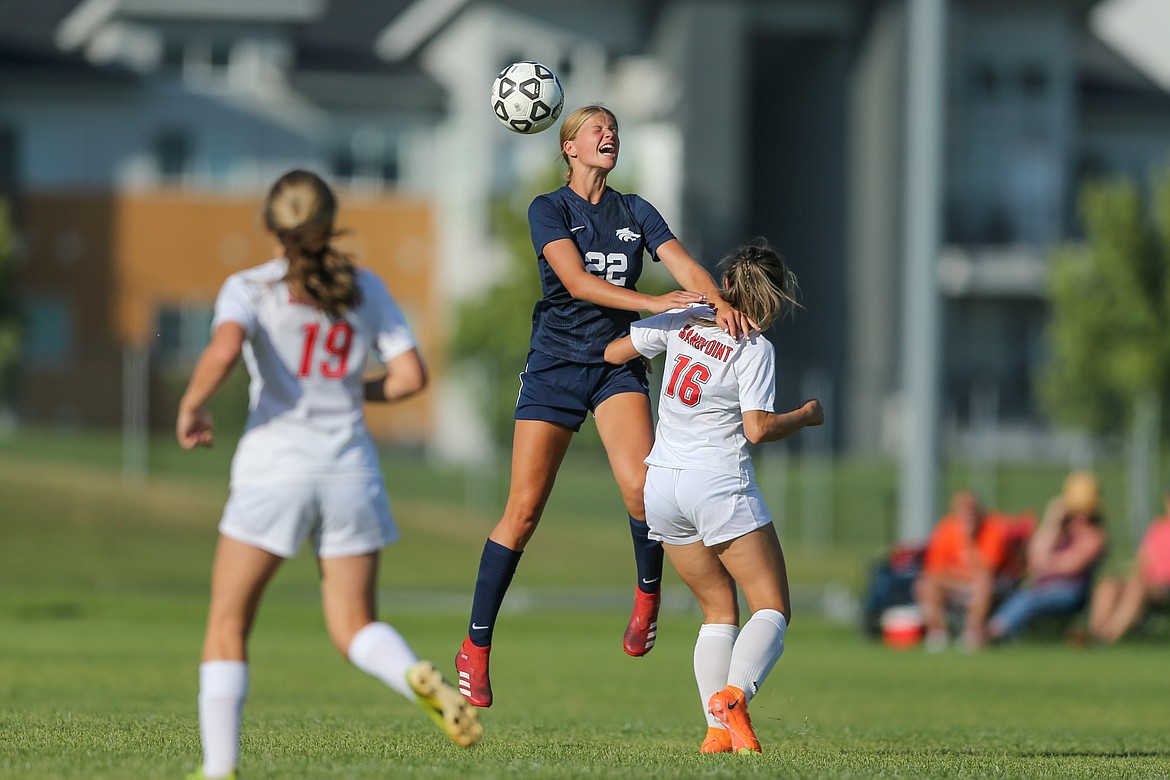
[(625, 234)]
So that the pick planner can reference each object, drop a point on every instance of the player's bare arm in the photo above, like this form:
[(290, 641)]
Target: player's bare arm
[(406, 375), (620, 351), (761, 426), (692, 276), (193, 428), (566, 262)]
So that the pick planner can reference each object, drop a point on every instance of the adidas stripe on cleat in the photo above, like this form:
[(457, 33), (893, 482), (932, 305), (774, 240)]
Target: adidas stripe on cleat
[(471, 662), (642, 630), (450, 711)]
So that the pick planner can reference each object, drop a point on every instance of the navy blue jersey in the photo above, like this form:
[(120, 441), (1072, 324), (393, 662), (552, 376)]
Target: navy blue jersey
[(611, 236)]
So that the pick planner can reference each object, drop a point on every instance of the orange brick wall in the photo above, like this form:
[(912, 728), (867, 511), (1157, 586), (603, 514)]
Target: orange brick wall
[(119, 257)]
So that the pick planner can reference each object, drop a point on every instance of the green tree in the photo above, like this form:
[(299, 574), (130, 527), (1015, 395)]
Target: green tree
[(10, 325), (1109, 333), (492, 330)]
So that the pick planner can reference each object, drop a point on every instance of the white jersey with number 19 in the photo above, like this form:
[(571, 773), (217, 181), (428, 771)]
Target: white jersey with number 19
[(306, 375), (708, 382)]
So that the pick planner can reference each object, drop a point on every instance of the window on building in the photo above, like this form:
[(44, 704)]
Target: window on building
[(47, 341), (1034, 80), (368, 157), (1008, 161), (173, 55), (8, 146), (183, 331), (206, 61), (985, 81), (172, 150), (343, 164)]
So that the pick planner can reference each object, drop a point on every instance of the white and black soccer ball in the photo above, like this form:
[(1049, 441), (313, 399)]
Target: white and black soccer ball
[(527, 97)]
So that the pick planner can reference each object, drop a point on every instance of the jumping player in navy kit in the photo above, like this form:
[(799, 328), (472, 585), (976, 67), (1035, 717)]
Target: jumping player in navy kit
[(590, 241)]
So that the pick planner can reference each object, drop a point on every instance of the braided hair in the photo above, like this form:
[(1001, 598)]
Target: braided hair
[(299, 212), (758, 283)]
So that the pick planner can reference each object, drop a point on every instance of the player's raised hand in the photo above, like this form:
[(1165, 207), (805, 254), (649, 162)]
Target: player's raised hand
[(194, 428), (734, 321), (678, 299)]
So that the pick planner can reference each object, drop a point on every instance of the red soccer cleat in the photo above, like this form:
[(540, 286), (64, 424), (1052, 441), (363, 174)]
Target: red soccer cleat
[(729, 707), (643, 628), (471, 662)]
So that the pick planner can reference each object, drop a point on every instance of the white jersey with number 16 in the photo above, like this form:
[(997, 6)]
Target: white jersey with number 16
[(708, 382)]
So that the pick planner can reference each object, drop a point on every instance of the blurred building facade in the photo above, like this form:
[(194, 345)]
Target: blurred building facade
[(137, 140), (780, 118), (786, 119), (116, 280)]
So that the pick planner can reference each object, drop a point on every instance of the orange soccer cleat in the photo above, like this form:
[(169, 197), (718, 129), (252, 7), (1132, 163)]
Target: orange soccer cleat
[(718, 740), (729, 707)]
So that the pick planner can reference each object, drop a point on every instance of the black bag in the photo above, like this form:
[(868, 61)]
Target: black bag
[(890, 584)]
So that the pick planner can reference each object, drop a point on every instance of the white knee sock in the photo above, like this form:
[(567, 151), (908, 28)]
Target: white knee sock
[(712, 659), (378, 650), (223, 686), (758, 648)]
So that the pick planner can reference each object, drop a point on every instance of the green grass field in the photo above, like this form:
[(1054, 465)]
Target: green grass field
[(103, 592)]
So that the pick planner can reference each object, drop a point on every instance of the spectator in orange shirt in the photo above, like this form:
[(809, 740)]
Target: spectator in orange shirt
[(1118, 604), (963, 556)]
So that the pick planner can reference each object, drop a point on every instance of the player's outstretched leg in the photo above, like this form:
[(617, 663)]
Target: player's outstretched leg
[(729, 707), (642, 630), (453, 714), (643, 626), (718, 740), (497, 565), (471, 663)]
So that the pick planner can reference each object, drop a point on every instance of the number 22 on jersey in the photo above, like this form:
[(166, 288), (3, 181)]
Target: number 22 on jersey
[(335, 346), (611, 267)]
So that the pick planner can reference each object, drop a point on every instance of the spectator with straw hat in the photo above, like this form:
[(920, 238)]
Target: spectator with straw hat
[(1062, 557)]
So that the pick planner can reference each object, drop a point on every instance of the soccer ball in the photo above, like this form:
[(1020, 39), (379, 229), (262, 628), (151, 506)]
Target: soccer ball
[(527, 97)]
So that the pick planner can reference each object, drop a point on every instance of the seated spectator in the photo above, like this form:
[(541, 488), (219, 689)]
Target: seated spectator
[(1063, 553), (1118, 604), (965, 551)]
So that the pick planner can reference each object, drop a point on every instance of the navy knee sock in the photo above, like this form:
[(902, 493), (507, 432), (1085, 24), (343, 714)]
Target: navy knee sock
[(497, 564), (647, 556)]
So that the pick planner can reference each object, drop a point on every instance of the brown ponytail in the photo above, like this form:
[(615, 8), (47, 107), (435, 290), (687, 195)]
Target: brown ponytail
[(299, 212)]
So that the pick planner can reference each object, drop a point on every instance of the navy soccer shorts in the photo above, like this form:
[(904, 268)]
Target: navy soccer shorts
[(564, 392)]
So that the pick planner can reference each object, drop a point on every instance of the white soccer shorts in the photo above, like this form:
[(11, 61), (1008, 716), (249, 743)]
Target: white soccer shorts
[(686, 506), (340, 517)]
